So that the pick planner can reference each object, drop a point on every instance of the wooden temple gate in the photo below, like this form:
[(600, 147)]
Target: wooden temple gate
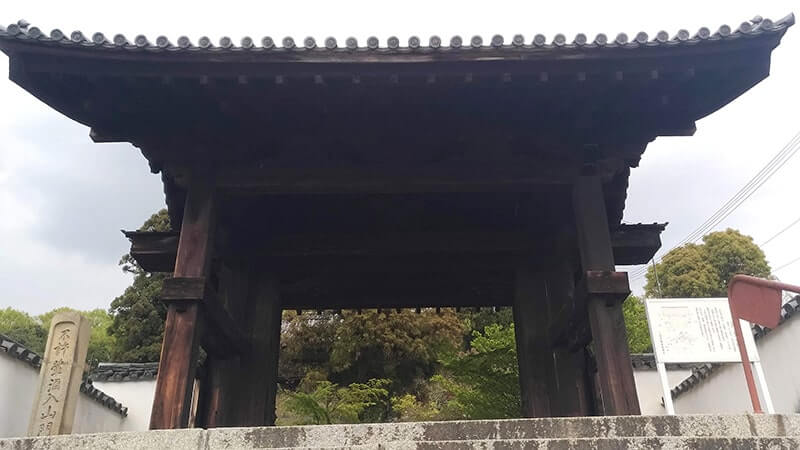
[(334, 177)]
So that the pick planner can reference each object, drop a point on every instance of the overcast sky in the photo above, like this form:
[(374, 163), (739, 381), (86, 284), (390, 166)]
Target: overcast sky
[(64, 199)]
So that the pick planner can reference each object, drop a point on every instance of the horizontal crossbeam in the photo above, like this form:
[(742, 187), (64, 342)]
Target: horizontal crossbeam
[(633, 244), (225, 338)]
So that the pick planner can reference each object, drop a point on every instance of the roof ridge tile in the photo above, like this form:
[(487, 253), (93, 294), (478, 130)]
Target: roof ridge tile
[(754, 27)]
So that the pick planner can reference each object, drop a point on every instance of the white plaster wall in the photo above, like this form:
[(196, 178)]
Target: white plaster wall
[(137, 396), (18, 383), (725, 391), (92, 417), (649, 390)]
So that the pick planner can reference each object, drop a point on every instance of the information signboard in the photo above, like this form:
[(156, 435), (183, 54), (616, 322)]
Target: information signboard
[(697, 330)]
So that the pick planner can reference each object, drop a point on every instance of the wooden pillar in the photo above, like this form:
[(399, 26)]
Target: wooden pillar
[(176, 369), (573, 393), (534, 350), (222, 387), (615, 374), (259, 364)]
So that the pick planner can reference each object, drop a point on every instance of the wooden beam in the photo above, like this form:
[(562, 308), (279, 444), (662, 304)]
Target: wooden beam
[(534, 350), (259, 367), (390, 290), (632, 244), (615, 373), (380, 180), (182, 331), (223, 336)]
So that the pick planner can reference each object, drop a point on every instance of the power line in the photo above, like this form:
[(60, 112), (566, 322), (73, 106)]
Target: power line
[(787, 264), (763, 175), (743, 194), (781, 232)]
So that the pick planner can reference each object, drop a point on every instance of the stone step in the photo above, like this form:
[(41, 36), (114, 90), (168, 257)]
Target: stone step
[(731, 426), (633, 443), (698, 431)]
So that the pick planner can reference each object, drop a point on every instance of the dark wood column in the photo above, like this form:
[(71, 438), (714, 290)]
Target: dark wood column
[(221, 389), (604, 306), (573, 394), (182, 331), (259, 364), (534, 350)]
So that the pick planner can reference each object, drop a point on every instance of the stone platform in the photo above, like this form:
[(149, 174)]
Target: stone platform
[(634, 432)]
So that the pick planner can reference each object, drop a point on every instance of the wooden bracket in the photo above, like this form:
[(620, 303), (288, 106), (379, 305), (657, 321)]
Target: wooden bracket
[(568, 324), (613, 286), (224, 338)]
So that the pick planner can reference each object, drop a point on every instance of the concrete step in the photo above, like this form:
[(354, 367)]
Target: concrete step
[(673, 432), (633, 443), (729, 426)]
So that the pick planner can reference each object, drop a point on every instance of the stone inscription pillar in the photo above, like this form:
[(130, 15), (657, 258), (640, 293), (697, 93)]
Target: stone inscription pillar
[(60, 375)]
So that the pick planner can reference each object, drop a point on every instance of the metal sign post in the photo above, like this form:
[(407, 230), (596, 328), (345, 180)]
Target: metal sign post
[(759, 301)]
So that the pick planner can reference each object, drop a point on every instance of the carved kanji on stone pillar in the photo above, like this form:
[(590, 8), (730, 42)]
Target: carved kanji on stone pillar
[(60, 375)]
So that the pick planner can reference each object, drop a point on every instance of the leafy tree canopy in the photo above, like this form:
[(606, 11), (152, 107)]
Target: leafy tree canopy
[(324, 402), (138, 315), (704, 270), (401, 346), (636, 325), (350, 347), (23, 328), (484, 381), (32, 331)]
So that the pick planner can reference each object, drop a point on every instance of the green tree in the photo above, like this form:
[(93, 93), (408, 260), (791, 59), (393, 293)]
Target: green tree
[(138, 315), (683, 272), (731, 253), (703, 270), (482, 318), (636, 325), (101, 343), (401, 346), (483, 382), (306, 342), (352, 348), (23, 328), (324, 402)]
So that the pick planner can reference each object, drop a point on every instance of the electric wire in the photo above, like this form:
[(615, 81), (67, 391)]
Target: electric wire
[(796, 221), (763, 175), (787, 264)]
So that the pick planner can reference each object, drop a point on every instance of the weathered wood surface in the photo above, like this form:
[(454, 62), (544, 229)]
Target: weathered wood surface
[(573, 393), (632, 244), (222, 388), (534, 349), (184, 324), (615, 373), (259, 366), (575, 389), (223, 336)]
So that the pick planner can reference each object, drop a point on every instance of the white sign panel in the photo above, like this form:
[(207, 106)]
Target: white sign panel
[(695, 330)]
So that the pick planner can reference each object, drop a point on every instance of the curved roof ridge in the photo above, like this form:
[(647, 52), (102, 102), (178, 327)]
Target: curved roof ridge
[(21, 30)]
